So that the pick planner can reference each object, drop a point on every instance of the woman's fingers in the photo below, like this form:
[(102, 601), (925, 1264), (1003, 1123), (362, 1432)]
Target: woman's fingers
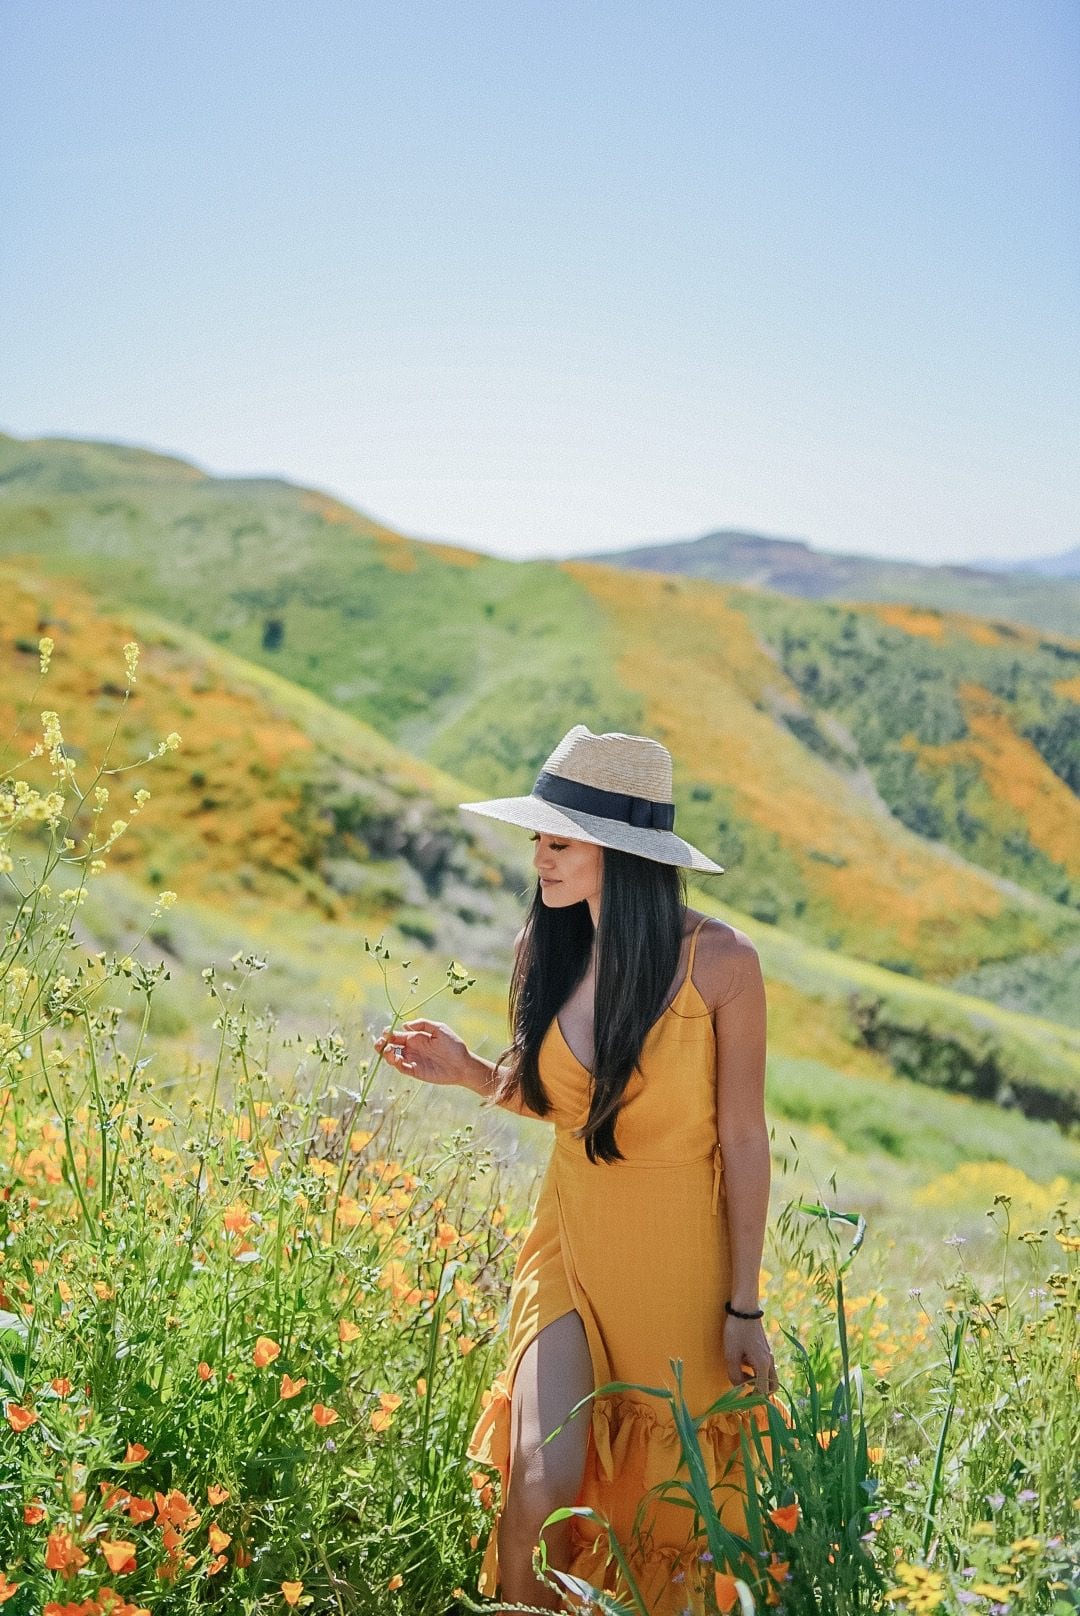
[(391, 1047)]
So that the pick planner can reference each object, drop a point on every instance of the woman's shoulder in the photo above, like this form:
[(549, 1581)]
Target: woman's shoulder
[(724, 961)]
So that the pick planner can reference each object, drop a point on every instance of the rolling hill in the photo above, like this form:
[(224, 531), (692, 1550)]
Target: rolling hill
[(897, 785)]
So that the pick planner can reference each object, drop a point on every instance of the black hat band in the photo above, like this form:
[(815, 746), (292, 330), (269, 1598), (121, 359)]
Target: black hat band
[(642, 811)]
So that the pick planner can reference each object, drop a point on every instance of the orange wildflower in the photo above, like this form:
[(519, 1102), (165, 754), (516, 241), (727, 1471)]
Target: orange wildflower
[(445, 1235), (381, 1420), (139, 1510), (212, 1569), (347, 1330), (61, 1386), (135, 1453), (217, 1494), (394, 1280), (218, 1539), (726, 1592), (33, 1514), (465, 1345), (786, 1517), (7, 1588), (176, 1511), (20, 1419), (62, 1553), (290, 1387), (265, 1352), (241, 1556), (323, 1415), (291, 1592), (395, 1582), (119, 1553), (204, 1371), (421, 1387)]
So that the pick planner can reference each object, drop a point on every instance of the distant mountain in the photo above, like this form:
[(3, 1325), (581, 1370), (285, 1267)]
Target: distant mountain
[(792, 567), (1065, 565)]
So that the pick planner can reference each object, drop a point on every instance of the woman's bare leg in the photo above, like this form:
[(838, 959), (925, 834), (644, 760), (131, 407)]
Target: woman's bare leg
[(555, 1372)]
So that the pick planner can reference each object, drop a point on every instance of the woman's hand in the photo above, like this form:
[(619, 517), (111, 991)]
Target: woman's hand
[(745, 1342), (428, 1050)]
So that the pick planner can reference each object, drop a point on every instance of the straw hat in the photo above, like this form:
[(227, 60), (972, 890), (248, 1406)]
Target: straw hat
[(612, 789)]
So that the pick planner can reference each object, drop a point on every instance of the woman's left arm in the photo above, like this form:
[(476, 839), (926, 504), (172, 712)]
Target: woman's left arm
[(740, 1021)]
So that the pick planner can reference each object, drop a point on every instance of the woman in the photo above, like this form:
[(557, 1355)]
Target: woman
[(639, 1033)]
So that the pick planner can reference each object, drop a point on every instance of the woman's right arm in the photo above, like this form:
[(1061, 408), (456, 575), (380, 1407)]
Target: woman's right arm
[(479, 1076)]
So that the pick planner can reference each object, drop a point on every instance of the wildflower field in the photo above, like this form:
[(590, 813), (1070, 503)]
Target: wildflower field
[(248, 1317)]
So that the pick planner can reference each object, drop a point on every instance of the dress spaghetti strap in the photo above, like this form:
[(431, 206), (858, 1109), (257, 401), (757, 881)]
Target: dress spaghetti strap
[(693, 948)]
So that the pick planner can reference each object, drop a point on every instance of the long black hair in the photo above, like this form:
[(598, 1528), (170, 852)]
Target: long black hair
[(639, 938)]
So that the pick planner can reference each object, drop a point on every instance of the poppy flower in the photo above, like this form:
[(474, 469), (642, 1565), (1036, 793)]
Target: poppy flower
[(786, 1517), (62, 1553), (726, 1592), (119, 1553)]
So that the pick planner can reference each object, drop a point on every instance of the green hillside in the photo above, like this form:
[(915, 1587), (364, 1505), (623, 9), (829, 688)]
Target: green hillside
[(895, 796)]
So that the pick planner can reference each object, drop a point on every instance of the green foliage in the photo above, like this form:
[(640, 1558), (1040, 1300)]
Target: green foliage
[(897, 693)]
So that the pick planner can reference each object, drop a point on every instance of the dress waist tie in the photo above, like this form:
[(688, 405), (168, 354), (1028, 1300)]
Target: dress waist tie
[(717, 1176)]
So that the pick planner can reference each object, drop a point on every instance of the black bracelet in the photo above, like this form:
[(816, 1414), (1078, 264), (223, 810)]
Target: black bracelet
[(760, 1314)]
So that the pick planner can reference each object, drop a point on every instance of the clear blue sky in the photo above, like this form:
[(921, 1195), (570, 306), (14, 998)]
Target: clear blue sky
[(546, 276)]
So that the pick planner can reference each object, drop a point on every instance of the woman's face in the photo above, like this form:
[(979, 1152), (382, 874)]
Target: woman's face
[(569, 871)]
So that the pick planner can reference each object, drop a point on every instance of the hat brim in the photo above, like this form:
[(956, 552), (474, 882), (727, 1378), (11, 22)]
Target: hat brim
[(534, 813)]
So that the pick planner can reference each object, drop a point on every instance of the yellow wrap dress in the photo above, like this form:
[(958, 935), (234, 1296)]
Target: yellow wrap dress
[(640, 1248)]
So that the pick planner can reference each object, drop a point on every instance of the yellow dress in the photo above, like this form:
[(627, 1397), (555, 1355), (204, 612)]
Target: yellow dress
[(640, 1248)]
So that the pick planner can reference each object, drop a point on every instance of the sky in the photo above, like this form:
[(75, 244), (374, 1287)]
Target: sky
[(547, 277)]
